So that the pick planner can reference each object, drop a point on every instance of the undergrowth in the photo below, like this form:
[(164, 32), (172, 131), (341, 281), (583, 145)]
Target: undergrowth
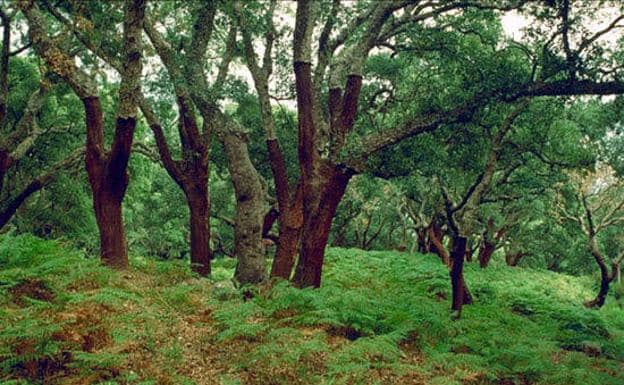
[(379, 318)]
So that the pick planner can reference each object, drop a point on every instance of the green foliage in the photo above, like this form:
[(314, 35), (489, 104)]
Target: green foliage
[(379, 317), (526, 324)]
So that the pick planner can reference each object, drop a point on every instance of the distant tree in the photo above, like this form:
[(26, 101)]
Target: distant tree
[(594, 201)]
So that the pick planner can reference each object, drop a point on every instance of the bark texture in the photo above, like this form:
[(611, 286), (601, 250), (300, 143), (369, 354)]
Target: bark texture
[(290, 219), (107, 170), (250, 209), (317, 227)]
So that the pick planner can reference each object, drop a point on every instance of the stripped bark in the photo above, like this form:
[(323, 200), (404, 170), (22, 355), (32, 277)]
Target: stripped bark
[(187, 75), (289, 198), (107, 170)]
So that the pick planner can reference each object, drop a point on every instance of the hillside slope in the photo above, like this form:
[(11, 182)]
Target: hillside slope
[(380, 318)]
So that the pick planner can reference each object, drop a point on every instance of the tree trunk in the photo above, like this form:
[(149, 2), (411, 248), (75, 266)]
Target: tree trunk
[(435, 232), (108, 215), (460, 293), (199, 216), (437, 247), (5, 161), (250, 209), (599, 301), (191, 174), (108, 177), (290, 220), (605, 276), (469, 252), (11, 208), (318, 225), (423, 244), (107, 170), (290, 229), (485, 252)]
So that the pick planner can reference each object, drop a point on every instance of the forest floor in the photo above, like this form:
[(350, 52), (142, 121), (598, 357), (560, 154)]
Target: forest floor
[(380, 318)]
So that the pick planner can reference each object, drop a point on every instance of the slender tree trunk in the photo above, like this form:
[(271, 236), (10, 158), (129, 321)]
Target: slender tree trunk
[(460, 293), (437, 247), (250, 209), (605, 276), (5, 160), (435, 232), (11, 208), (290, 219), (191, 175), (317, 227), (601, 297), (422, 242)]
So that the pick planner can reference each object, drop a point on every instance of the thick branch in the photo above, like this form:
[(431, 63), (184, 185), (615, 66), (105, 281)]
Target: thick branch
[(130, 88), (56, 59)]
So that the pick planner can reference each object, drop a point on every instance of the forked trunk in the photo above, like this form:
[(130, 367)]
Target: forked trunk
[(199, 209), (108, 177), (317, 227)]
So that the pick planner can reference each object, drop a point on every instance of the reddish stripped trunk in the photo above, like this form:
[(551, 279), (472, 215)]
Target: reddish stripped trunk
[(290, 219), (191, 174), (290, 229), (437, 247), (199, 215), (460, 294), (108, 178), (317, 227), (323, 182), (113, 246), (485, 252), (435, 233)]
